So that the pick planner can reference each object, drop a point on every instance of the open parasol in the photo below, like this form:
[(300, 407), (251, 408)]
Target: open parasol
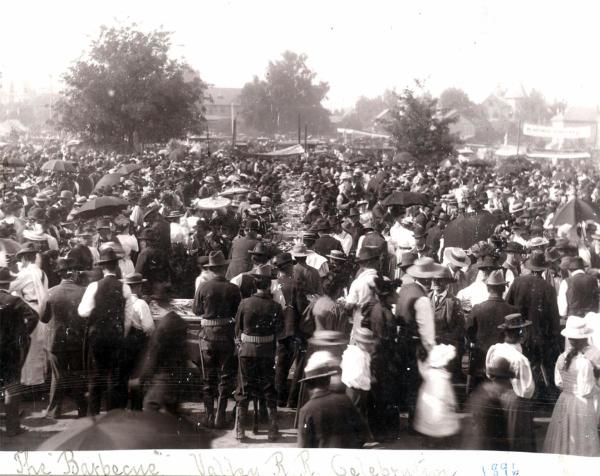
[(211, 203), (128, 169), (109, 180), (464, 232), (233, 191), (575, 211), (405, 199), (57, 165), (101, 206), (126, 430)]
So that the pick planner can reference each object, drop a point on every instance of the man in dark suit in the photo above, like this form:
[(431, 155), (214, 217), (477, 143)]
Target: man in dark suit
[(17, 321), (449, 318), (240, 248), (536, 300), (578, 294), (483, 321), (153, 264), (106, 305), (421, 249), (217, 301), (161, 229), (64, 344), (325, 243), (257, 323)]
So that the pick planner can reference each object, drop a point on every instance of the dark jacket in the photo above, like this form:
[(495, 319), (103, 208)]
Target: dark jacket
[(161, 229), (330, 420), (153, 265), (325, 244), (66, 328), (582, 294), (536, 300), (482, 324), (449, 320), (258, 315), (17, 321), (107, 320), (217, 299)]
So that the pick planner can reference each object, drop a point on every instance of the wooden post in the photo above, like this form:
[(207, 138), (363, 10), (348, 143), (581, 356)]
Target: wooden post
[(207, 142), (518, 138), (306, 138), (234, 132), (299, 131)]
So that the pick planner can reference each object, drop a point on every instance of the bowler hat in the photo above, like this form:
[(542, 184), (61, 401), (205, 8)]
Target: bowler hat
[(353, 212), (216, 259), (514, 321), (67, 194), (5, 276), (282, 259), (107, 255), (260, 249), (321, 225), (367, 253), (536, 261), (151, 211), (552, 255), (425, 268), (419, 232)]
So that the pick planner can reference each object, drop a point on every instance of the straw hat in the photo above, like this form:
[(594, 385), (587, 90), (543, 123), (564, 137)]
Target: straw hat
[(134, 278), (322, 363), (514, 321), (424, 268), (576, 328), (456, 256)]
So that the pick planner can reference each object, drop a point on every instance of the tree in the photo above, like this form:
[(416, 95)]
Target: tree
[(418, 129), (455, 98), (533, 108), (127, 88), (288, 90)]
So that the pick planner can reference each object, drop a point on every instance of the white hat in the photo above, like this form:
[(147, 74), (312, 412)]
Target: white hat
[(576, 328)]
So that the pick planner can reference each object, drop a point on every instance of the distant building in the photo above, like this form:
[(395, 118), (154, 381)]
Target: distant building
[(576, 116), (223, 108), (463, 127)]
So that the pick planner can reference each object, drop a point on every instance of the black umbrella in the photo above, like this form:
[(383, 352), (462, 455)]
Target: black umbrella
[(464, 232), (405, 199), (573, 212), (128, 169), (57, 165), (109, 180), (127, 430), (101, 206)]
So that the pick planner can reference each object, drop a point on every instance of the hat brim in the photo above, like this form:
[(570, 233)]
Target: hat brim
[(567, 333), (106, 261), (532, 267), (448, 256), (124, 281), (337, 258), (299, 255), (324, 374), (220, 265), (517, 326), (279, 265)]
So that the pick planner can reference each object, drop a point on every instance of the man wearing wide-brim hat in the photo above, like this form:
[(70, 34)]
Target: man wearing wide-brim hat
[(362, 288), (477, 292), (416, 316), (260, 256), (483, 321), (107, 306), (258, 323), (325, 406), (240, 249), (512, 264), (578, 294), (216, 301), (153, 264), (537, 300), (457, 261)]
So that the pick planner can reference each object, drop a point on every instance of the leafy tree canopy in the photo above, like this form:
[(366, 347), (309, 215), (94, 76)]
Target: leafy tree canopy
[(288, 90), (127, 88), (417, 128)]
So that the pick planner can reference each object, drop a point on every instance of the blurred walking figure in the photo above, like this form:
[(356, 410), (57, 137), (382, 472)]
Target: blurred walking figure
[(328, 419), (573, 429)]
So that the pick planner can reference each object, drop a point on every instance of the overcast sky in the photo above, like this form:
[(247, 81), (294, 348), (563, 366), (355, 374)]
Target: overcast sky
[(359, 47)]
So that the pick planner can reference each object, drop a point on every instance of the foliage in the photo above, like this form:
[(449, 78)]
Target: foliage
[(533, 108), (289, 90), (362, 116), (127, 88), (417, 128)]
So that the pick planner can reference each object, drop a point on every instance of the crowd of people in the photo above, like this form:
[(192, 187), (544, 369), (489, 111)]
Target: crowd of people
[(363, 308)]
